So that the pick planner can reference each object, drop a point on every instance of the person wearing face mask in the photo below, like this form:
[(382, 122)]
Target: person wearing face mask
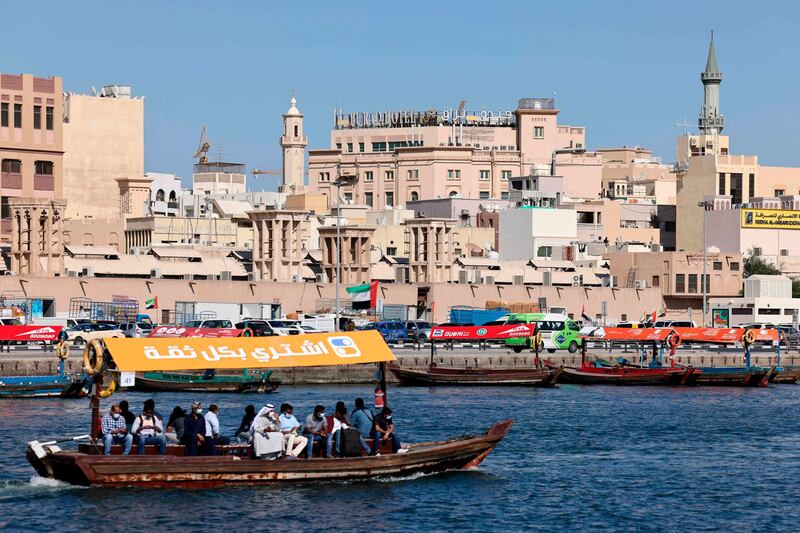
[(149, 429), (194, 431), (267, 436), (114, 430), (383, 430), (316, 430)]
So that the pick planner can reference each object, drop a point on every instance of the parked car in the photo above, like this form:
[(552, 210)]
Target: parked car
[(392, 330), (210, 323), (83, 333), (418, 330), (136, 329), (308, 329), (790, 335), (10, 322), (259, 327)]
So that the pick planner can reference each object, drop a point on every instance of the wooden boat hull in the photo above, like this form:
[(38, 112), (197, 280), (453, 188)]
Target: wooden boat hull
[(205, 472), (195, 383), (787, 375), (36, 386), (475, 376), (736, 377), (629, 376)]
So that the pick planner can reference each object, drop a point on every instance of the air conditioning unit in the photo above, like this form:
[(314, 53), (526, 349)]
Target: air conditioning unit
[(187, 277), (640, 284), (547, 278), (297, 278), (88, 272), (577, 281), (155, 273), (488, 280), (518, 280), (252, 276), (463, 276), (225, 275), (784, 252), (756, 250), (72, 274)]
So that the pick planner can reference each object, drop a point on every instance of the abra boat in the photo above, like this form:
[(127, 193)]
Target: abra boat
[(88, 467), (537, 376), (622, 373), (186, 382), (59, 385)]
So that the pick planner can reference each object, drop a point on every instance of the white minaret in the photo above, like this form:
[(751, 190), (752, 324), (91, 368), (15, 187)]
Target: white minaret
[(294, 145)]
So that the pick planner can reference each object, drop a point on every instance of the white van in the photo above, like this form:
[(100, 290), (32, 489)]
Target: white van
[(325, 323), (64, 322)]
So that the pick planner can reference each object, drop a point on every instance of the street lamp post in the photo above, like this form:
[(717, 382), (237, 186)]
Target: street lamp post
[(340, 180), (705, 204)]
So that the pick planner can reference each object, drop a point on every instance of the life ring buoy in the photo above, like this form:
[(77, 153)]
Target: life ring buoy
[(248, 332), (108, 391), (93, 367), (62, 350), (674, 340), (536, 341), (749, 337)]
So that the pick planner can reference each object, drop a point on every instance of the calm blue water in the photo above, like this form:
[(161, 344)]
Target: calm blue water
[(578, 458)]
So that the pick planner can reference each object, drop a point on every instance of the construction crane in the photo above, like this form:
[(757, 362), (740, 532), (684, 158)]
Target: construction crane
[(256, 171), (201, 154)]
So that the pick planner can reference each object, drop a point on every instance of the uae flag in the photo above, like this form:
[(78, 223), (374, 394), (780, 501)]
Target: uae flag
[(363, 296), (151, 303)]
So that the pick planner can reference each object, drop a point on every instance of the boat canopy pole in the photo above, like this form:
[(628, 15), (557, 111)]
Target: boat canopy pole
[(747, 356), (583, 351), (642, 355), (383, 383), (779, 368)]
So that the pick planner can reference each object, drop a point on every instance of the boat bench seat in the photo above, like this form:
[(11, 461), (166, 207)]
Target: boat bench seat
[(386, 448)]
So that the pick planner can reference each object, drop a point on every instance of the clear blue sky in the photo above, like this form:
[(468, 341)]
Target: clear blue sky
[(627, 70)]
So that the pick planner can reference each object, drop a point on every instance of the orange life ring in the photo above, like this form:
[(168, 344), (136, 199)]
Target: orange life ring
[(93, 367), (62, 350), (749, 337), (108, 391), (674, 340), (247, 332)]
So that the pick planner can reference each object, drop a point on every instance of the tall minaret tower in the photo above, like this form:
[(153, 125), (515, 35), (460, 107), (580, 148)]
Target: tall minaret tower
[(711, 121), (294, 145)]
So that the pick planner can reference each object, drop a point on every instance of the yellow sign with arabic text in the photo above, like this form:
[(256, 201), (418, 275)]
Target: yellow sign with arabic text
[(317, 349), (770, 219)]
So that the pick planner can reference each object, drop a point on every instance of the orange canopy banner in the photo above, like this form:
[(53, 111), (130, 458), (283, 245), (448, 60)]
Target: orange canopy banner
[(764, 335), (317, 349), (631, 334), (712, 335)]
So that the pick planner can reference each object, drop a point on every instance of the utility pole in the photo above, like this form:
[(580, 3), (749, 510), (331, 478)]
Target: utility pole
[(705, 204)]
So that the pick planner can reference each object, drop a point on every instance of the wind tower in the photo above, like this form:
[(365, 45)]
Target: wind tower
[(294, 143)]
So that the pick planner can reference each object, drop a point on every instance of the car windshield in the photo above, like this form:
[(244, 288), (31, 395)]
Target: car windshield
[(194, 323), (280, 324), (551, 325), (145, 325), (422, 325)]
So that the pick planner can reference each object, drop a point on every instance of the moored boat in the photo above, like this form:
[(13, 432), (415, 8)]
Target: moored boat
[(186, 382), (58, 385), (435, 376)]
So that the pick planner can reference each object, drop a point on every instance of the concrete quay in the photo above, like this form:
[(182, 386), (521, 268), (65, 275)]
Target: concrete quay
[(36, 362)]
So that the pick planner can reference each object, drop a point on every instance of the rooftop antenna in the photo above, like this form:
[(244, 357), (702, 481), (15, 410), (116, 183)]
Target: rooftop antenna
[(685, 125)]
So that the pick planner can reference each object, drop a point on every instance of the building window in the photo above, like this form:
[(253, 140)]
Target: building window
[(296, 130), (780, 192), (338, 146), (368, 198), (368, 176), (504, 195), (348, 197), (453, 194), (769, 311), (538, 132), (389, 199), (453, 174), (707, 283), (680, 283), (12, 166), (361, 147), (414, 196), (505, 175), (752, 186), (379, 147), (692, 284), (17, 115), (484, 175), (44, 168), (717, 265), (721, 189), (49, 118), (734, 266), (324, 177), (388, 175), (544, 251), (37, 117), (4, 115), (413, 174), (656, 281), (350, 147), (736, 188), (483, 195)]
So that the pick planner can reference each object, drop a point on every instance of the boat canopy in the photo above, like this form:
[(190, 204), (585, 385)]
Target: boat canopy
[(316, 349), (725, 335), (631, 334)]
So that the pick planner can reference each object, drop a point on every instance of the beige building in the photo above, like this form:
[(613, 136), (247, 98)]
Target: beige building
[(103, 141), (408, 156), (37, 245), (31, 142), (354, 261)]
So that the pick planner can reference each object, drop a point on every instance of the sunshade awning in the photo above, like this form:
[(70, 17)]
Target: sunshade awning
[(317, 349), (632, 334)]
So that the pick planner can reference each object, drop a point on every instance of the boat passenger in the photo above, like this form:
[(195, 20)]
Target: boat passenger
[(149, 429), (243, 434), (150, 403), (114, 430), (340, 421), (383, 430), (194, 430), (290, 427), (127, 414), (267, 437), (316, 430), (174, 431), (212, 426), (362, 418)]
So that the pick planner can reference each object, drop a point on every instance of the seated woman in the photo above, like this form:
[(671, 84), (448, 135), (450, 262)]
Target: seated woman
[(267, 436), (174, 432)]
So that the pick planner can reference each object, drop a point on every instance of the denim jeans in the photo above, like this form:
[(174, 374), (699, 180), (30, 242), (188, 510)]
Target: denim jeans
[(328, 440), (126, 440), (143, 440), (376, 442)]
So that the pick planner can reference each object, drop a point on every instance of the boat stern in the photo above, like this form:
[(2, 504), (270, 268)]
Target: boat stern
[(39, 458)]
